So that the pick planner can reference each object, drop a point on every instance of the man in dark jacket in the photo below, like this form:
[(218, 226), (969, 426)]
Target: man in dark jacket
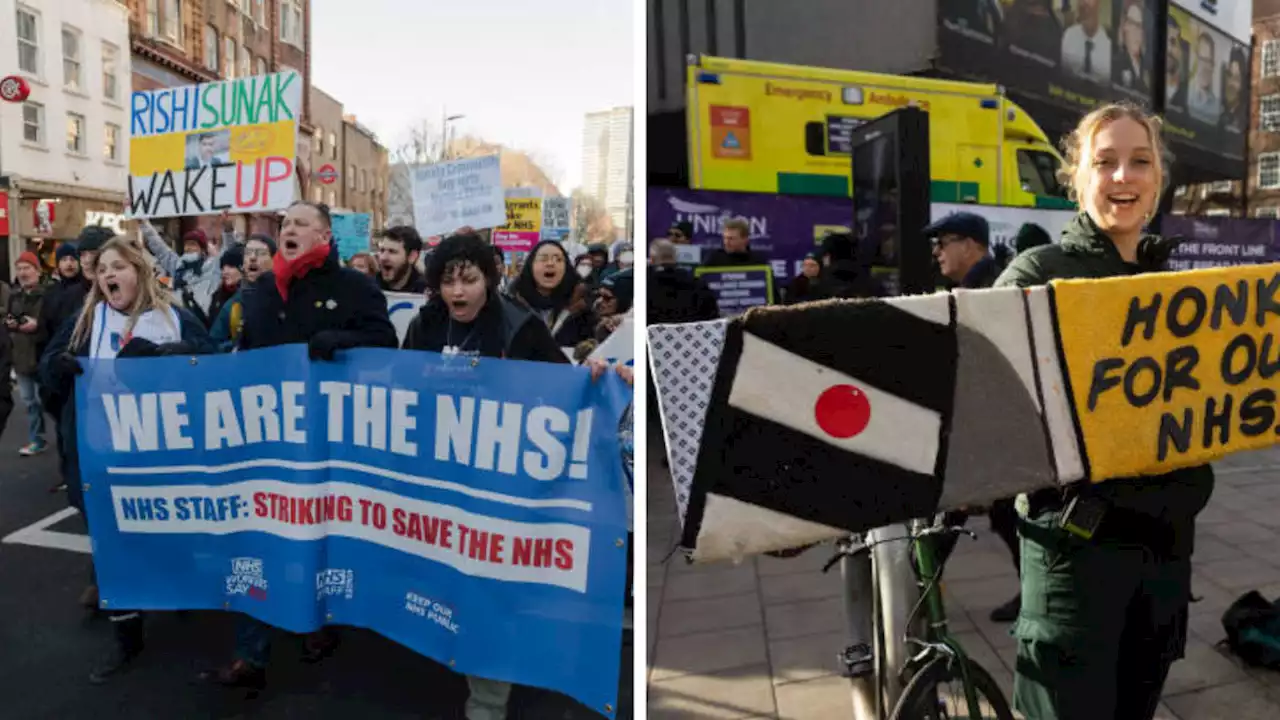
[(398, 251), (842, 276), (22, 319), (308, 297), (675, 294), (962, 247), (736, 249), (961, 242)]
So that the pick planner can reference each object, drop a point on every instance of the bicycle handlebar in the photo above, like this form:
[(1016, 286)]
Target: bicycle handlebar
[(846, 548)]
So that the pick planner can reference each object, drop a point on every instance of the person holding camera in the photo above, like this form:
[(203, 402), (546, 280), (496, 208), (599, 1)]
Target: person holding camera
[(26, 335)]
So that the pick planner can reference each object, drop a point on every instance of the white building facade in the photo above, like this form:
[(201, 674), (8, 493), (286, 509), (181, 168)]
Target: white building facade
[(607, 161), (64, 152)]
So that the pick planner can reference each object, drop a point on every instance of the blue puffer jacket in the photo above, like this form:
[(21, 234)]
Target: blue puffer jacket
[(62, 391)]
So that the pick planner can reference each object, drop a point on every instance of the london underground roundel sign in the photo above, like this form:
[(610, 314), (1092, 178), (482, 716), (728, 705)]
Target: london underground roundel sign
[(14, 89)]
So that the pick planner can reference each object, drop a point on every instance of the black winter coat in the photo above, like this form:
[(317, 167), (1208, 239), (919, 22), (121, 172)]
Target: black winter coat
[(329, 297), (503, 329)]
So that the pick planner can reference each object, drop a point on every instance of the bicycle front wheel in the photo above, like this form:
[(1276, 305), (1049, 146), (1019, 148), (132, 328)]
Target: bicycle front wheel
[(937, 693)]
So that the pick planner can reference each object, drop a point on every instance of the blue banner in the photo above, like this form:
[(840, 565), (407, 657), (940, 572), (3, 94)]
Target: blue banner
[(473, 511)]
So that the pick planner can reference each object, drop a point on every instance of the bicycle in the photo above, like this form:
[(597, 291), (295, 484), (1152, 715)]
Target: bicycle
[(940, 659)]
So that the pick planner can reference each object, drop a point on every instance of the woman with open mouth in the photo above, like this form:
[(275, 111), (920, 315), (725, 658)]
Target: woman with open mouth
[(127, 313), (555, 294)]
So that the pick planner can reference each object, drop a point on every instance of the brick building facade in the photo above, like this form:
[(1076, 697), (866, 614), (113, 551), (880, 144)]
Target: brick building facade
[(181, 42), (366, 166)]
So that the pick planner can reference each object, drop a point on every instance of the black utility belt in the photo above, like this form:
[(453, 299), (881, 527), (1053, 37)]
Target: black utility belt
[(1095, 519)]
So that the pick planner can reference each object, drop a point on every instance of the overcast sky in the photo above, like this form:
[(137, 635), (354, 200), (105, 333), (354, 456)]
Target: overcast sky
[(523, 73)]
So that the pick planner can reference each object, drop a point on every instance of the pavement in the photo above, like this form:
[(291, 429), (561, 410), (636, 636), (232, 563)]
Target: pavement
[(48, 646), (759, 639)]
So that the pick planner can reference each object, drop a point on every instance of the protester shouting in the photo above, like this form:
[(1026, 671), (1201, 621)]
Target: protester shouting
[(196, 273), (1103, 619), (398, 251), (556, 295), (307, 297), (22, 314), (467, 316), (126, 314), (258, 253)]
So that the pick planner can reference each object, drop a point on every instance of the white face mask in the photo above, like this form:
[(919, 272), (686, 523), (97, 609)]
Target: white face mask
[(584, 271), (626, 259), (190, 257)]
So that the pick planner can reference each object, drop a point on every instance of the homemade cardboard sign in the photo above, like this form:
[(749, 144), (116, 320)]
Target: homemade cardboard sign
[(205, 148), (797, 424)]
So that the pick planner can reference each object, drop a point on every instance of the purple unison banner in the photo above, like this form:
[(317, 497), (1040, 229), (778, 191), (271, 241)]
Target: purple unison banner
[(783, 228), (1217, 242)]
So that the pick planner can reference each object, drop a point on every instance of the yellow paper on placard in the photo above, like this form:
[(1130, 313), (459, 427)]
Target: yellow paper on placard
[(523, 215), (1170, 370)]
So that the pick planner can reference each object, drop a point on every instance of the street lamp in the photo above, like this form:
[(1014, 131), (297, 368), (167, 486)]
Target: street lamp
[(446, 118)]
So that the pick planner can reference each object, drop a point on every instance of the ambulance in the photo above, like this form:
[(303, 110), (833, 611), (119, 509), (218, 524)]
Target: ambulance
[(786, 129)]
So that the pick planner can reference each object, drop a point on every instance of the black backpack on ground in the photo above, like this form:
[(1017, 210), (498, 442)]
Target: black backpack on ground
[(1252, 624)]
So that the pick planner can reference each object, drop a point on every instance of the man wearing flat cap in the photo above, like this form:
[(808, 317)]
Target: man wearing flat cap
[(962, 247)]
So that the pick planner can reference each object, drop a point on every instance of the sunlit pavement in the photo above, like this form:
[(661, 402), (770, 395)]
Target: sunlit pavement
[(759, 639), (47, 648)]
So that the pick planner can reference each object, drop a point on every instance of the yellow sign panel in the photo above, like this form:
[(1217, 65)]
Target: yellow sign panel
[(523, 215), (1171, 370), (244, 145)]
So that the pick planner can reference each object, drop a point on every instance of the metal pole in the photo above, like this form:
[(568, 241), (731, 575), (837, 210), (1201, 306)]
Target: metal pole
[(897, 593), (859, 611)]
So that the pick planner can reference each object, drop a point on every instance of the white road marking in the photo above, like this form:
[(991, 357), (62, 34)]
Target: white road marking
[(38, 536)]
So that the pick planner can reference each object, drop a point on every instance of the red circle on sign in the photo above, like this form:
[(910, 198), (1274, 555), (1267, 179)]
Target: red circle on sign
[(842, 411), (327, 174), (14, 89)]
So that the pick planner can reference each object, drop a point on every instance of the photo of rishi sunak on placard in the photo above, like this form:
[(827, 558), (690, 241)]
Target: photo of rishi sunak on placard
[(206, 149), (1086, 44), (1130, 69)]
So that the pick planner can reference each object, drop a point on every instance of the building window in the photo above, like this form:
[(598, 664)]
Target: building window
[(71, 58), (1217, 212), (262, 66), (1266, 212), (28, 41), (317, 194), (1269, 171), (291, 22), (153, 18), (333, 198), (246, 67), (170, 19), (351, 177), (111, 142), (1270, 58), (33, 122), (110, 81), (211, 43), (319, 142), (260, 12), (1221, 186), (333, 146), (1269, 110), (377, 219), (364, 180), (75, 133), (229, 57)]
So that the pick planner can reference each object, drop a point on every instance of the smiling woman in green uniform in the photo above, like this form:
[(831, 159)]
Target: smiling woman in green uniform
[(1103, 619)]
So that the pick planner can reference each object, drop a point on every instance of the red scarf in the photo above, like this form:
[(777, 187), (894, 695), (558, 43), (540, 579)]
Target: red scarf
[(287, 271)]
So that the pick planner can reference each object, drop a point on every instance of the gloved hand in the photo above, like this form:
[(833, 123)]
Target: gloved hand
[(139, 347), (1154, 251), (325, 343), (67, 365)]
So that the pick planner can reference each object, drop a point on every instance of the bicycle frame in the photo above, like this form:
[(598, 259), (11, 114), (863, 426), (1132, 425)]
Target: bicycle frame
[(938, 633)]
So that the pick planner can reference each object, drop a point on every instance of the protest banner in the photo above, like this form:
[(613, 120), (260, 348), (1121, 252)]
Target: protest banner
[(460, 193), (351, 232), (205, 148), (739, 289), (618, 347), (1209, 242), (1172, 370), (524, 222), (471, 511), (556, 218), (403, 308)]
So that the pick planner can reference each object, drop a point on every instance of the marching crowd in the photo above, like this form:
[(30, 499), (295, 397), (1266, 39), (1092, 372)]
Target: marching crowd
[(115, 297)]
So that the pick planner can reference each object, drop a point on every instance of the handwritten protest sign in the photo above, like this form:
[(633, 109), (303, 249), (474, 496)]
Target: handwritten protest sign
[(472, 512), (524, 222), (1173, 369), (205, 148), (556, 214), (739, 289), (351, 233), (450, 195)]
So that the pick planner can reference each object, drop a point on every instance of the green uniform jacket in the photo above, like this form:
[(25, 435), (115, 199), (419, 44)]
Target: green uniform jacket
[(1085, 252)]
